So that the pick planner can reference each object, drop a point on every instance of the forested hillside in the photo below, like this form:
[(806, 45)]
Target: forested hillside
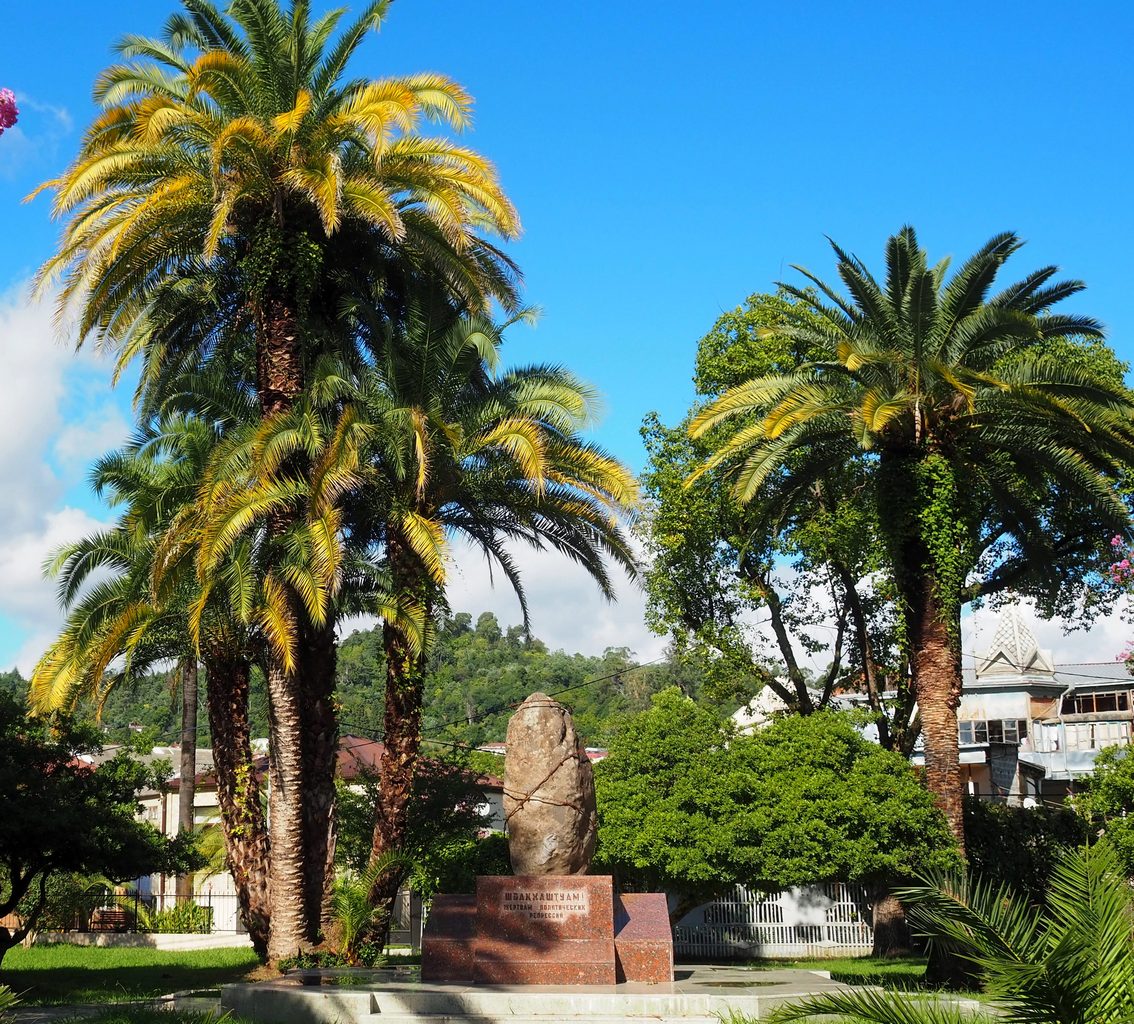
[(478, 670)]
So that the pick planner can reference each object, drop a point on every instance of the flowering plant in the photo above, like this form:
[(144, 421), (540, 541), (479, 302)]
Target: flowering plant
[(1122, 573), (9, 112)]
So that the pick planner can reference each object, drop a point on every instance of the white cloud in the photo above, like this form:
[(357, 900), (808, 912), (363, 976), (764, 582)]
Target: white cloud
[(56, 412), (566, 608)]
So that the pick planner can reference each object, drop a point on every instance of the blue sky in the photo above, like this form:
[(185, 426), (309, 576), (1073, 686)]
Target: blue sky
[(667, 160)]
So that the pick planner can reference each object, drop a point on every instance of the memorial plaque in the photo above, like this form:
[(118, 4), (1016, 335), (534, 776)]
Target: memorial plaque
[(544, 905), (545, 930)]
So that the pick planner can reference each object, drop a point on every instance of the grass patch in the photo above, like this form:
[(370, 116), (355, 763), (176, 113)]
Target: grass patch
[(906, 973), (139, 1015), (50, 975)]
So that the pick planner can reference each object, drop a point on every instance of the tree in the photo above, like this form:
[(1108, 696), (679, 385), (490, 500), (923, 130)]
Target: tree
[(1106, 803), (129, 607), (233, 159), (60, 814), (800, 561), (991, 465), (689, 807), (452, 446)]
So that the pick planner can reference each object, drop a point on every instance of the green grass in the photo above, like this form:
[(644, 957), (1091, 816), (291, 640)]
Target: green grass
[(138, 1015), (46, 975), (901, 973)]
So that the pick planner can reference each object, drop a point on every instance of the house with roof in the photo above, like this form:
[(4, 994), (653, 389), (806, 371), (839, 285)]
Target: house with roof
[(1027, 728)]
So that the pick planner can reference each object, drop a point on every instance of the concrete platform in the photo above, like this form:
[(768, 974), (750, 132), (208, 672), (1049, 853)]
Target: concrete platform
[(698, 995)]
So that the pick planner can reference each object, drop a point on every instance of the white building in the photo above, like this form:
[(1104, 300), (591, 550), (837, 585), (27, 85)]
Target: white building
[(1027, 728)]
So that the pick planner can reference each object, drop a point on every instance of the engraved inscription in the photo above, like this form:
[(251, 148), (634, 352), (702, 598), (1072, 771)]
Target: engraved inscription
[(536, 905)]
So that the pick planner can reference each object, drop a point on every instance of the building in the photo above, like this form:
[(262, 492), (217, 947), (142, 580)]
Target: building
[(1027, 728)]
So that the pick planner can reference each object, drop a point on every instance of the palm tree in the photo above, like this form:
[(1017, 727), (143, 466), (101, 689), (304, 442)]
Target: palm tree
[(427, 441), (1069, 962), (232, 151), (459, 448), (122, 620), (974, 440)]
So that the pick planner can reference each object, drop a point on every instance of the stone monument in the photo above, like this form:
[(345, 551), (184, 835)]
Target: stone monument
[(550, 923)]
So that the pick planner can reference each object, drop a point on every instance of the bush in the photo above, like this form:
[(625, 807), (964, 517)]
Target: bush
[(368, 954), (1019, 846), (182, 919)]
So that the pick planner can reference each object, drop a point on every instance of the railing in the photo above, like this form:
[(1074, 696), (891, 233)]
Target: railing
[(164, 913), (820, 920)]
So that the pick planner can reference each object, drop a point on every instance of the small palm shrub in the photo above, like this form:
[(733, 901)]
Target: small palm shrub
[(8, 1000), (1067, 961)]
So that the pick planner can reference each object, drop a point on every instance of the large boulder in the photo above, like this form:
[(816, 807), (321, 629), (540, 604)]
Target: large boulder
[(549, 792)]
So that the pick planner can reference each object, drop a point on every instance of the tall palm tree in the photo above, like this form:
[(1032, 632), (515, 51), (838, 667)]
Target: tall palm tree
[(974, 440), (122, 620), (427, 441), (459, 448), (234, 148)]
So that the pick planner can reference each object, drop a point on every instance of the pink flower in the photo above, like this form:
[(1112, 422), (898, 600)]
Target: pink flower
[(9, 113)]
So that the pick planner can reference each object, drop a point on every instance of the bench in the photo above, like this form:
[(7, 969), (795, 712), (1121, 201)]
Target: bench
[(110, 919)]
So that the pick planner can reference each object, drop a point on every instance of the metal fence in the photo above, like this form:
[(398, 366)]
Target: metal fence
[(819, 920), (162, 913)]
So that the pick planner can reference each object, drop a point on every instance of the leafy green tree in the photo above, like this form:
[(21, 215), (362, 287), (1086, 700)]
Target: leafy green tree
[(989, 464), (1020, 846), (808, 563), (59, 814), (689, 807), (1106, 803)]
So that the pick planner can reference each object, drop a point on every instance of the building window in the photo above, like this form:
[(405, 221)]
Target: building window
[(1091, 703), (997, 730)]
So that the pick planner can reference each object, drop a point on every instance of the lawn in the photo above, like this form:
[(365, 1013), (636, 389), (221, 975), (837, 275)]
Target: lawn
[(83, 974), (902, 973)]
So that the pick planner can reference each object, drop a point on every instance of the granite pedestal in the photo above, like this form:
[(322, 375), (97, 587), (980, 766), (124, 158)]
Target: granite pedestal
[(548, 930)]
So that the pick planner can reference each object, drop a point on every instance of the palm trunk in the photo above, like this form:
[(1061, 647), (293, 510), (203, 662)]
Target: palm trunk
[(320, 749), (187, 784), (238, 793), (292, 929), (891, 932), (935, 642), (927, 551), (401, 740), (300, 739)]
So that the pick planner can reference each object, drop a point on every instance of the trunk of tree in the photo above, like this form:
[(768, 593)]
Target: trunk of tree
[(401, 739), (298, 727), (238, 794), (187, 784), (292, 930), (891, 933), (935, 643), (320, 758)]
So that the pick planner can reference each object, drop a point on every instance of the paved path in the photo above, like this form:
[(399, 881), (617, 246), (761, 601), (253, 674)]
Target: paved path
[(74, 1011)]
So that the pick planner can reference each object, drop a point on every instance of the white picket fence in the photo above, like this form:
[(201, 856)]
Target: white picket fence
[(819, 920)]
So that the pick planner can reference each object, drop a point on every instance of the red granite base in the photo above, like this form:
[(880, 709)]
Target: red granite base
[(545, 930), (449, 939), (643, 940), (548, 930)]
